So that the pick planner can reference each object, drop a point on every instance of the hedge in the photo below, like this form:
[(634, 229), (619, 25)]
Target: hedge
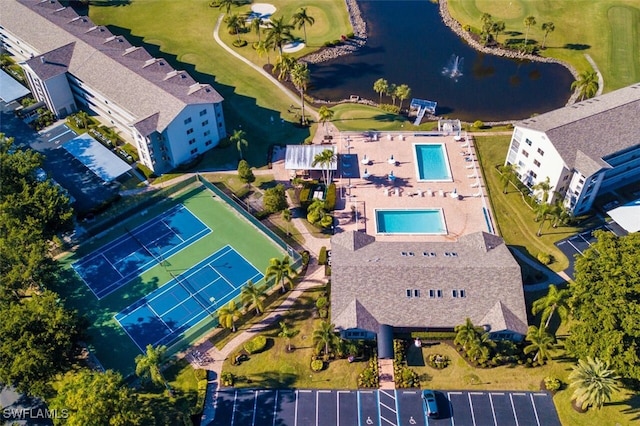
[(330, 198), (322, 256), (434, 335), (256, 344)]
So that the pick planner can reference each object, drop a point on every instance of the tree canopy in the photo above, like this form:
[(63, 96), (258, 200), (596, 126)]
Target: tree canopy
[(38, 341), (605, 303)]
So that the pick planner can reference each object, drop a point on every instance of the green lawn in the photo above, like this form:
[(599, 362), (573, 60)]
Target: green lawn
[(112, 345), (275, 368), (356, 117), (514, 217), (607, 30)]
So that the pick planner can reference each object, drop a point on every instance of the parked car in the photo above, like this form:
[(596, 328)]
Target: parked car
[(429, 404)]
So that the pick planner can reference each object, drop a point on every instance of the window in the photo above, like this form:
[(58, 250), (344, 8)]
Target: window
[(411, 254), (525, 153), (404, 253), (194, 150), (536, 163), (541, 152), (189, 131), (416, 293), (565, 177), (432, 293), (581, 181), (203, 112), (463, 293), (209, 142), (439, 293), (187, 120), (408, 292), (454, 293), (205, 122), (528, 142), (533, 174), (520, 164), (192, 141)]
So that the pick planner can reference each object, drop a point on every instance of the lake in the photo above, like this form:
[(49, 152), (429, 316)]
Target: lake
[(409, 44)]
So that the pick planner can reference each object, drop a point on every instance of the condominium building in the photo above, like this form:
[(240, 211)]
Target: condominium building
[(585, 150), (71, 64)]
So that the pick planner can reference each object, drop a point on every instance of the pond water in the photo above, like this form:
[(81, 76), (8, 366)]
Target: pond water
[(409, 44)]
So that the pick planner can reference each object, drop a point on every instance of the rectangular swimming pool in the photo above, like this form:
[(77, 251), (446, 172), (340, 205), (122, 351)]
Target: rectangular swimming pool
[(410, 221), (432, 164)]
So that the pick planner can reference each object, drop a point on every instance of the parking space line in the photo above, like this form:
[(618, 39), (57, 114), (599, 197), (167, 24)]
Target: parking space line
[(535, 412), (387, 407), (513, 407), (388, 421), (318, 392), (493, 411), (275, 408), (450, 407), (295, 413), (379, 413), (395, 396), (233, 412), (473, 416), (574, 247)]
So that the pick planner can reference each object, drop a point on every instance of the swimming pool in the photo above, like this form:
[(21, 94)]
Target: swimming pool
[(431, 162), (410, 221)]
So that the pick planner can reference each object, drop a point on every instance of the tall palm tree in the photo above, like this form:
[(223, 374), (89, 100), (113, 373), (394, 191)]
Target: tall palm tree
[(256, 26), (586, 85), (148, 364), (281, 271), (391, 91), (555, 301), (402, 92), (287, 332), (286, 216), (497, 28), (300, 77), (325, 114), (479, 349), (560, 214), (239, 138), (261, 49), (84, 118), (325, 158), (284, 65), (226, 5), (540, 342), (324, 336), (542, 211), (279, 32), (235, 23), (381, 86), (253, 295), (466, 333), (507, 172), (547, 27), (593, 382), (544, 186), (316, 214), (528, 22), (301, 19), (228, 315)]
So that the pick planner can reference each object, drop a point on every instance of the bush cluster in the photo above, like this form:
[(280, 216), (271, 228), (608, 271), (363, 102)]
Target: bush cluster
[(256, 344), (370, 377), (438, 361), (317, 365), (394, 109), (322, 256), (544, 258), (405, 377), (433, 335), (552, 383), (330, 199)]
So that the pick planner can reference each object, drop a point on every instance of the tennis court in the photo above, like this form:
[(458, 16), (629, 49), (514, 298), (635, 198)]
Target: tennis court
[(163, 315), (118, 262)]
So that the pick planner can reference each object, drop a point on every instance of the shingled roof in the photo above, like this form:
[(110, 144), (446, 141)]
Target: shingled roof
[(587, 132), (370, 279), (127, 75)]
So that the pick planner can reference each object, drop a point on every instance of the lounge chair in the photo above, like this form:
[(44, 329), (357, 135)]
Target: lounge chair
[(420, 193), (477, 194), (397, 192), (476, 185), (386, 192), (470, 166), (441, 192), (429, 193), (473, 175)]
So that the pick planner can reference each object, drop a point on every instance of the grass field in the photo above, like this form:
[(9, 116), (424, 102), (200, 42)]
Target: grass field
[(607, 30), (112, 345)]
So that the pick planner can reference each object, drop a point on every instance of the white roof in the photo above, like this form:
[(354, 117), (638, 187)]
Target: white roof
[(10, 90), (627, 216), (300, 157), (104, 163)]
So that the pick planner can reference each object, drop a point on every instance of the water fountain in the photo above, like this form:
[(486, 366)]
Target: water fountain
[(454, 69)]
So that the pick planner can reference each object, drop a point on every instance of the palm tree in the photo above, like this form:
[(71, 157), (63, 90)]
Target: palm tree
[(256, 25), (325, 114), (83, 117), (528, 22), (402, 92), (281, 271), (586, 85), (279, 32), (555, 301), (560, 214), (391, 91), (286, 216), (284, 65), (479, 349), (326, 158), (543, 186), (238, 137), (301, 19), (148, 364), (287, 332), (228, 316), (235, 23), (541, 342), (226, 5), (498, 28), (261, 49), (542, 211), (253, 295), (593, 382), (324, 335), (547, 27), (507, 172), (300, 77), (381, 86), (316, 214), (466, 334)]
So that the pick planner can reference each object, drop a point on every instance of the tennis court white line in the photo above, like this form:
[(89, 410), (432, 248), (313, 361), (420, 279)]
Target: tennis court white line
[(159, 317), (128, 334), (111, 264)]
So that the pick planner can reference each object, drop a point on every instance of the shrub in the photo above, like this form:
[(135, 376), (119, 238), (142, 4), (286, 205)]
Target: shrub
[(256, 344), (239, 43), (544, 258), (478, 124), (201, 373), (322, 256), (369, 378), (330, 200), (275, 199), (552, 384), (305, 258), (328, 44), (323, 313), (433, 335), (321, 302), (147, 172), (244, 172), (438, 361), (317, 365), (350, 35), (304, 195), (394, 109), (227, 379)]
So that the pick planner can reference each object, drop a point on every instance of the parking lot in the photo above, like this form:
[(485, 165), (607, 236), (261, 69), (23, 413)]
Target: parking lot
[(578, 243), (381, 408)]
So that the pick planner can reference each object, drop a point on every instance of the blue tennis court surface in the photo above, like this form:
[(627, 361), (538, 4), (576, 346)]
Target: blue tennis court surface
[(163, 315), (118, 262)]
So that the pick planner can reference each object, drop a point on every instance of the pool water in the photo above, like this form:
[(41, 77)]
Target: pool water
[(410, 221), (431, 162)]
